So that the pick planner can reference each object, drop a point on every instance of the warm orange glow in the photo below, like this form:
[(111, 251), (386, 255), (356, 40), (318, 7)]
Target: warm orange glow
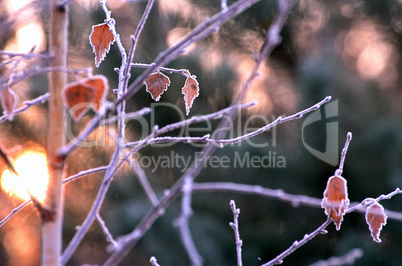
[(31, 165)]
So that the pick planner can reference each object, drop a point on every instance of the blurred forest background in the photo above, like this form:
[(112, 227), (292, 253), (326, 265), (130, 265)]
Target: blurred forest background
[(348, 49)]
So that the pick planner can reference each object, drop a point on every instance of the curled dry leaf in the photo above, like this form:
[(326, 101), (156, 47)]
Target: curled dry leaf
[(101, 38), (9, 101), (156, 84), (335, 201), (376, 218), (87, 93), (190, 91)]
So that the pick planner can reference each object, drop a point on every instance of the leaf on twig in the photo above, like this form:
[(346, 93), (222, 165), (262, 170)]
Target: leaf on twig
[(156, 84), (335, 201), (87, 93), (376, 218), (190, 91), (101, 38), (9, 101)]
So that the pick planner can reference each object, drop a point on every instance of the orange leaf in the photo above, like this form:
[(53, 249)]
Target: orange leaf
[(190, 91), (156, 84), (87, 93), (335, 199), (101, 38), (376, 218), (9, 101)]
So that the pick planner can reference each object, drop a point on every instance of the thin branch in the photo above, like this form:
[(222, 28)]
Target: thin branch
[(27, 104), (13, 212), (182, 222), (278, 121), (83, 229), (298, 244), (368, 202), (292, 199), (235, 227), (21, 75), (194, 119), (343, 154), (84, 173), (127, 116), (142, 178), (105, 230), (183, 72), (348, 259)]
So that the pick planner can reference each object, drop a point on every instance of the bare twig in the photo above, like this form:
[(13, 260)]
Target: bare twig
[(192, 120), (142, 178), (20, 76), (182, 222), (127, 116), (105, 230), (235, 227), (72, 246), (13, 212), (84, 173), (297, 244), (339, 171), (348, 259), (183, 72), (27, 104)]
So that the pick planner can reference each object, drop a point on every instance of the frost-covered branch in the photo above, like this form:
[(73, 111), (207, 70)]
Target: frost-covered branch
[(183, 72), (348, 259), (298, 244), (27, 104), (235, 227), (343, 154), (22, 75), (105, 230), (182, 222)]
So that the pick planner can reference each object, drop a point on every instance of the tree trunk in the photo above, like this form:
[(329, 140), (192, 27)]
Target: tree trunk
[(53, 208)]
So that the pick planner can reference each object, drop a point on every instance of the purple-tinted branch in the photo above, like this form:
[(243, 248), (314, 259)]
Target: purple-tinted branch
[(298, 244), (184, 72), (235, 227), (292, 199), (84, 173), (21, 75), (192, 120), (369, 201), (27, 104), (83, 229), (13, 212), (127, 116), (146, 186), (105, 230), (348, 259), (278, 121), (339, 171), (182, 222)]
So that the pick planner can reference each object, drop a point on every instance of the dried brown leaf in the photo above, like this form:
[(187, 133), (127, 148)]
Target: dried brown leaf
[(190, 91), (156, 84), (87, 93), (376, 218), (335, 201), (101, 38)]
